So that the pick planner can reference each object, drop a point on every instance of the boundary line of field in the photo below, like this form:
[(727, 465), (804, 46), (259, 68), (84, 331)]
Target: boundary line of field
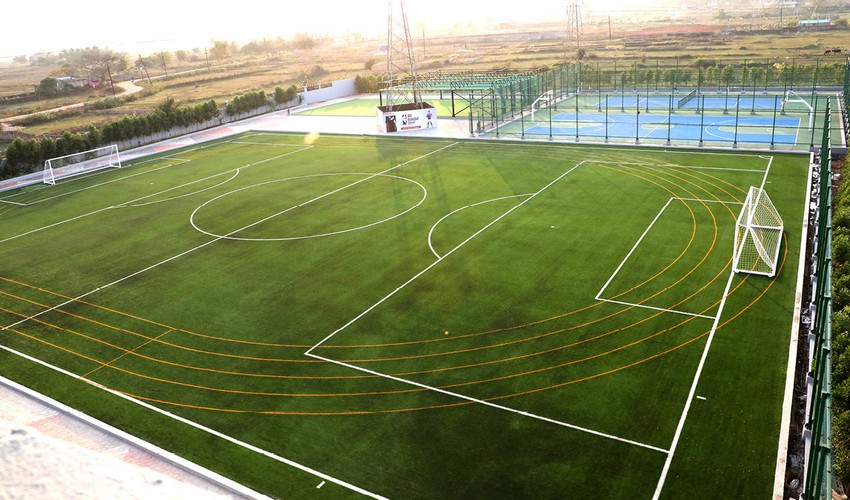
[(790, 370), (599, 296), (666, 469)]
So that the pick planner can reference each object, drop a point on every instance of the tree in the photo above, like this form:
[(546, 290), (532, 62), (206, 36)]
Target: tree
[(220, 50), (303, 41), (94, 62), (47, 87)]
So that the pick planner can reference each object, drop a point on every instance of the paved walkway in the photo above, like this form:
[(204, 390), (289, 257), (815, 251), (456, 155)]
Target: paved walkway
[(46, 451)]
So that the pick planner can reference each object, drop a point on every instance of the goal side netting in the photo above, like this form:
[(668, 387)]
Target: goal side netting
[(758, 235), (80, 163)]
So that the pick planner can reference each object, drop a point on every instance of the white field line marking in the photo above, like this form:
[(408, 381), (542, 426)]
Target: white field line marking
[(642, 236), (54, 224), (431, 232), (134, 162), (66, 193), (148, 196), (453, 394), (692, 392), (293, 238), (320, 485), (85, 177), (491, 404), (793, 345), (517, 144), (670, 165), (181, 254), (273, 144), (313, 200), (723, 202), (766, 171), (182, 195), (198, 426), (14, 203), (661, 309), (430, 266), (634, 247), (702, 398)]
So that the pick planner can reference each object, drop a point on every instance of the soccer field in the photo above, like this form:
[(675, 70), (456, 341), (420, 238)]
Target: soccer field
[(396, 317)]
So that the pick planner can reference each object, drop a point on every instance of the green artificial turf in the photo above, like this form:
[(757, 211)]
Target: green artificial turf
[(418, 318)]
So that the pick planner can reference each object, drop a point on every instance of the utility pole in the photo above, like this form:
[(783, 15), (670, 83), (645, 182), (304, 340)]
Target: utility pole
[(162, 58), (609, 28), (111, 83), (141, 63)]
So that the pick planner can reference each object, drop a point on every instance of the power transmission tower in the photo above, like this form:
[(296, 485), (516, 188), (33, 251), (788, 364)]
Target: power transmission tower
[(401, 63), (574, 32)]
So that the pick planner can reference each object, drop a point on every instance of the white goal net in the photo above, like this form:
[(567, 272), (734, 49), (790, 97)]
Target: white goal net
[(80, 163), (758, 235)]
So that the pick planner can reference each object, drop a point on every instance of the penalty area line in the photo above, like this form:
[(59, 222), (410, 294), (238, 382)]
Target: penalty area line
[(492, 405)]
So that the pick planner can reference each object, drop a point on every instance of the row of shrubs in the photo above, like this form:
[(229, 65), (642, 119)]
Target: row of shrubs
[(841, 333), (23, 156)]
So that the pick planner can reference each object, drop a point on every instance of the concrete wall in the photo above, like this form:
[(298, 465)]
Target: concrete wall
[(337, 89)]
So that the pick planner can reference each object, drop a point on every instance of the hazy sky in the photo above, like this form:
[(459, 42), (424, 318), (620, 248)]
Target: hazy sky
[(51, 25)]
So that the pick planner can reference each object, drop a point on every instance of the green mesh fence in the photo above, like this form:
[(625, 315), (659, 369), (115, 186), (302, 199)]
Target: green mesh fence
[(818, 482)]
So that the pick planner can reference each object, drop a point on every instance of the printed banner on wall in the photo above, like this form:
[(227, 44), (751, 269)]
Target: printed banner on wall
[(401, 120)]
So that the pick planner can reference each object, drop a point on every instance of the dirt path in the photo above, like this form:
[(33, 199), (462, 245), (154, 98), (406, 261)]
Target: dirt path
[(127, 88)]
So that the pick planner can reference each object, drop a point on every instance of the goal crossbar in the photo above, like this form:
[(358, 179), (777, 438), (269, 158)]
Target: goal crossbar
[(74, 164)]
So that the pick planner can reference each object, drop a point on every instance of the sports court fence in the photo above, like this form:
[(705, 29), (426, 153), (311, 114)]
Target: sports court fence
[(818, 428), (755, 106)]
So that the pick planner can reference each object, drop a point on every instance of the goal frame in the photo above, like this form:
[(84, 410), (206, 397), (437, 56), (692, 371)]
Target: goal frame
[(758, 229), (86, 161)]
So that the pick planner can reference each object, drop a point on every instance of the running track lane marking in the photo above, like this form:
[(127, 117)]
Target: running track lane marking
[(453, 394)]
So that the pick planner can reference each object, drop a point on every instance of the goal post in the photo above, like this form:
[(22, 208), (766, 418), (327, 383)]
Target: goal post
[(758, 235), (83, 162)]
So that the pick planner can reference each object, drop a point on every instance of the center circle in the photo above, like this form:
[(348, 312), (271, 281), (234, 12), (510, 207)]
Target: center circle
[(335, 207)]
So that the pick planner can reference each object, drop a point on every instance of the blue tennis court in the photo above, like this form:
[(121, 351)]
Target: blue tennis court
[(743, 102), (687, 127)]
